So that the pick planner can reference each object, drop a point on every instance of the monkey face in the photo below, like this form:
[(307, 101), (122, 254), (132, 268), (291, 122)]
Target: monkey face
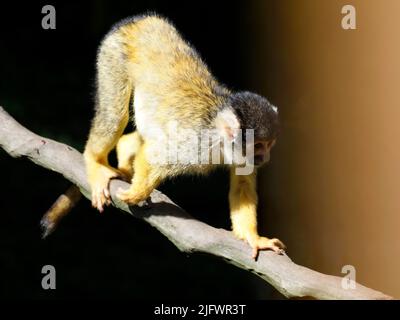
[(249, 125), (258, 114), (250, 151), (262, 150)]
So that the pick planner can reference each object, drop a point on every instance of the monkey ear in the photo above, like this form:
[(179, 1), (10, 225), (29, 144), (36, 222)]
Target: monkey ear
[(227, 124)]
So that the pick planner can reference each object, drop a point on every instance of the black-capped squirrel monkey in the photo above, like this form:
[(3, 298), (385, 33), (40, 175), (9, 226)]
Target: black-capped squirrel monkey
[(145, 60)]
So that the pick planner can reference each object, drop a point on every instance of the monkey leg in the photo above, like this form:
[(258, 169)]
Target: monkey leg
[(127, 147), (102, 139), (99, 172), (243, 206), (145, 180), (114, 89)]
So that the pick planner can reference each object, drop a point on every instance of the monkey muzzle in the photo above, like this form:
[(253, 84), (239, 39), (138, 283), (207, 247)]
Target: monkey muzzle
[(261, 153), (261, 159)]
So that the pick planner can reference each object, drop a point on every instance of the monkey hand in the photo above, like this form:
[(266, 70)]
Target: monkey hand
[(263, 243)]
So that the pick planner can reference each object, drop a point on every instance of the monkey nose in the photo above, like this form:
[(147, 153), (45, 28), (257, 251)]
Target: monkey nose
[(258, 159)]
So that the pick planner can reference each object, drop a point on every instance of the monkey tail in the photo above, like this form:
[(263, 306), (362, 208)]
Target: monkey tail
[(61, 207)]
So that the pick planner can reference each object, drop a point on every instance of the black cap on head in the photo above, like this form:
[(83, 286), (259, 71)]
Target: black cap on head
[(257, 113)]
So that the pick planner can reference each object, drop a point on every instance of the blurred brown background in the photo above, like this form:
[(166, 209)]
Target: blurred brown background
[(331, 192)]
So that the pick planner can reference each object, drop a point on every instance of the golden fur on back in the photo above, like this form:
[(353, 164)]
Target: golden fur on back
[(185, 87)]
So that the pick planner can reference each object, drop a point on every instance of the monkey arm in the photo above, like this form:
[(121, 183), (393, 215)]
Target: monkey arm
[(243, 205)]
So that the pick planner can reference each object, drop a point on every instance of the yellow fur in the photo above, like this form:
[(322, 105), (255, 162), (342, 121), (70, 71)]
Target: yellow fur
[(149, 57), (127, 147), (145, 180), (243, 205), (147, 61)]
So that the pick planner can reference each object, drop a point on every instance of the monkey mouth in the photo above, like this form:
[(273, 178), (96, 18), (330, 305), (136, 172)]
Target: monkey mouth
[(258, 160)]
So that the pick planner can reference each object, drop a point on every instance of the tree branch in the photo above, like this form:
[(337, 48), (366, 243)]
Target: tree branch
[(188, 234)]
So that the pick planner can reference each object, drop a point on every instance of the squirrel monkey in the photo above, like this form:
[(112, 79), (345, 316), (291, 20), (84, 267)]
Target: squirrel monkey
[(145, 60)]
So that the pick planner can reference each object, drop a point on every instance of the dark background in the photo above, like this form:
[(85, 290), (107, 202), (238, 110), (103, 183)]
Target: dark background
[(46, 83)]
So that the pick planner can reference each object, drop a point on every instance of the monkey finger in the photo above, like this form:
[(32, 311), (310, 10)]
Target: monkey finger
[(107, 195), (106, 192), (278, 243), (272, 247), (255, 253), (95, 203), (94, 200), (100, 201), (108, 201), (274, 244), (100, 206)]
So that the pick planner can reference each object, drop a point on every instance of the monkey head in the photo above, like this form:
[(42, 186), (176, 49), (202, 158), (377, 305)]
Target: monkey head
[(250, 123)]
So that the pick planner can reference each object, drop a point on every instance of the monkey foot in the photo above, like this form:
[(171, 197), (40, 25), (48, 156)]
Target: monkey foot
[(131, 197), (100, 187), (126, 174), (263, 243)]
